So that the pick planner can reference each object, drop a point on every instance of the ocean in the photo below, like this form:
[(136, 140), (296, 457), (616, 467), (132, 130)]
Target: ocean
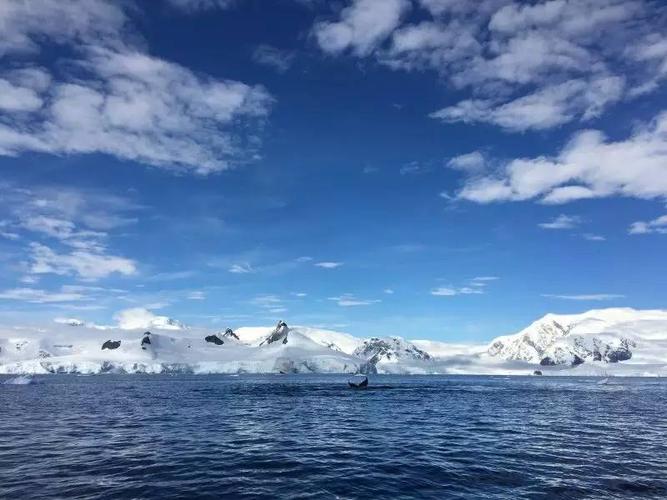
[(311, 436)]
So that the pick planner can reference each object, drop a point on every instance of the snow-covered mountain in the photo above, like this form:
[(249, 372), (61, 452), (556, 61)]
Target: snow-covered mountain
[(601, 335), (622, 341)]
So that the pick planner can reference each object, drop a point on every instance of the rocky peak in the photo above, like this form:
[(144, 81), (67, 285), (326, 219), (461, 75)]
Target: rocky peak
[(279, 333), (390, 349), (146, 340), (604, 335), (229, 333)]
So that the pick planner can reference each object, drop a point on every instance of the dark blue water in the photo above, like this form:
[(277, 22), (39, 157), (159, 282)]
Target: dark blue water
[(312, 437)]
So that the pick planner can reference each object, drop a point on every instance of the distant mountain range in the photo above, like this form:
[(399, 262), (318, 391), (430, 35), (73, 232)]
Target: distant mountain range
[(620, 340)]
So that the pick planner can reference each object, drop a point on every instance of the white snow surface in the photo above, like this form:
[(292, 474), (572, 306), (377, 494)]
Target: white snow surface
[(76, 347), (596, 333)]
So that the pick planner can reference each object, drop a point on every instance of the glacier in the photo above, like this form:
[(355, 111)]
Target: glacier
[(611, 341)]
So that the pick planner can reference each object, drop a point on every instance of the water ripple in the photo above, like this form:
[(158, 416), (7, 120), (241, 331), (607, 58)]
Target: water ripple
[(311, 437)]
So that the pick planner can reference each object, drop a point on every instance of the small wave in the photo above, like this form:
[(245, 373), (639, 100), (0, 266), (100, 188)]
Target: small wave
[(22, 380)]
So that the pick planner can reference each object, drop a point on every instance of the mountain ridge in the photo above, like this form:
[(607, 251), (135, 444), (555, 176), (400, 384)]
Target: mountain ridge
[(627, 340)]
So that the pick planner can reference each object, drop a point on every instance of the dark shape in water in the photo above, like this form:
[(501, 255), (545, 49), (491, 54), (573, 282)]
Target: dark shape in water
[(537, 372), (214, 339), (111, 344), (358, 382)]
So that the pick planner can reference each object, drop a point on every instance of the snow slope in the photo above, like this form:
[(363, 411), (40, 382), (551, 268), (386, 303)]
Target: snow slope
[(606, 341), (606, 336)]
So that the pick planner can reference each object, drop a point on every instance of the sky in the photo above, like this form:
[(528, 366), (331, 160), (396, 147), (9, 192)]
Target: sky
[(424, 168)]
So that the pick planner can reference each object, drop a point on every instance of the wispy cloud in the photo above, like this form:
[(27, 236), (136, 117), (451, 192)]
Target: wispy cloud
[(658, 225), (244, 268), (196, 295), (593, 237), (273, 57), (361, 27), (37, 296), (349, 300), (83, 263), (589, 166), (586, 297), (444, 291), (562, 222), (476, 286), (194, 6), (415, 168), (530, 65), (328, 264), (115, 97), (483, 279), (471, 162)]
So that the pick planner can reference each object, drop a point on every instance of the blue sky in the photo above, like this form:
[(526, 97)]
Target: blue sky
[(416, 168)]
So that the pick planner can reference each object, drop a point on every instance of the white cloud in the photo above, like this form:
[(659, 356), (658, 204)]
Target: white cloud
[(546, 108), (528, 65), (388, 291), (593, 237), (193, 6), (589, 166), (475, 286), (273, 57), (141, 318), (16, 99), (268, 301), (414, 168), (67, 217), (349, 300), (471, 162), (328, 265), (36, 296), (485, 278), (196, 295), (244, 268), (658, 225), (562, 222), (362, 26), (586, 297), (82, 263), (450, 292), (117, 99)]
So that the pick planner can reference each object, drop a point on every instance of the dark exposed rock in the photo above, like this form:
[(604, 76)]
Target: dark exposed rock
[(111, 344), (368, 368), (621, 353), (279, 333), (537, 372), (229, 333), (214, 339), (375, 349), (333, 347), (146, 340), (547, 362)]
